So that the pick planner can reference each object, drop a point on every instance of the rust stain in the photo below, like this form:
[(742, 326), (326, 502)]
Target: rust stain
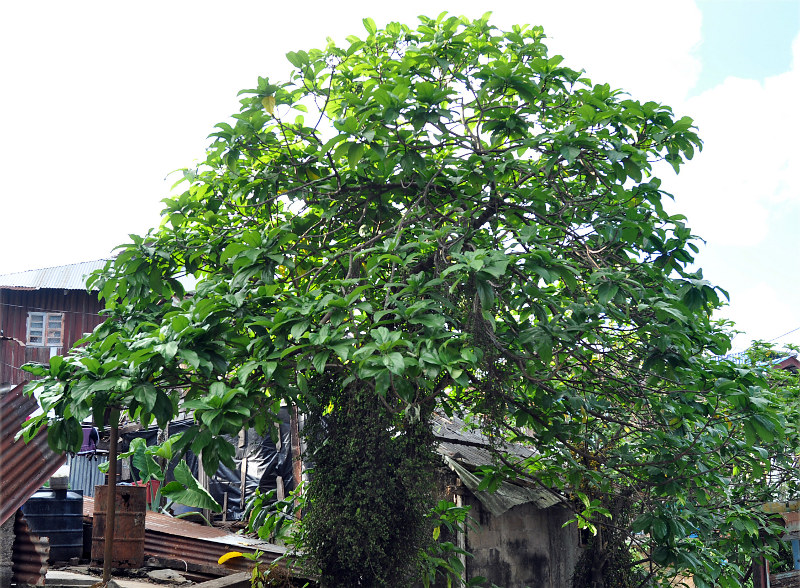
[(128, 547)]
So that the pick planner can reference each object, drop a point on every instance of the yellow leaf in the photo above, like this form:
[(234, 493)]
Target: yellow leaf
[(269, 104), (436, 531), (229, 555)]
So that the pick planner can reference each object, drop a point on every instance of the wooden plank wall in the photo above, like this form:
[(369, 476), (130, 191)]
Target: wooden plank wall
[(81, 316)]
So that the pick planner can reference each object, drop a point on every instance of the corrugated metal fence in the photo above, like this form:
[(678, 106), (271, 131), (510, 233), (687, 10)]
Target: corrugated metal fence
[(83, 472)]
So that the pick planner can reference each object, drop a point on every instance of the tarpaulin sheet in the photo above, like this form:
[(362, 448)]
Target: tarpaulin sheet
[(258, 456)]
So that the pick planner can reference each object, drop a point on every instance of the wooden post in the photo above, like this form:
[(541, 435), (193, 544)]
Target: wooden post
[(461, 538), (243, 469), (760, 573), (108, 551), (202, 477), (297, 456), (297, 462), (280, 491)]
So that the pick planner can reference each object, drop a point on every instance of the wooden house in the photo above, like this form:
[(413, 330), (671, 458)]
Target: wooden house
[(43, 313)]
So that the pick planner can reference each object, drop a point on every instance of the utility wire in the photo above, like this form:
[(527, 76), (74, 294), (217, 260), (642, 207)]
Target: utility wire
[(37, 309), (786, 333), (13, 367)]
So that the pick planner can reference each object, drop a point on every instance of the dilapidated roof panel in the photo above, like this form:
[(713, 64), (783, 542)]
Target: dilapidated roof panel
[(465, 450), (168, 538), (62, 277), (24, 467), (458, 440)]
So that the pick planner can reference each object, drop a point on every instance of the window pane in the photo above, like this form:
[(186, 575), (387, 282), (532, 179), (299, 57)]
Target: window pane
[(36, 328), (54, 327)]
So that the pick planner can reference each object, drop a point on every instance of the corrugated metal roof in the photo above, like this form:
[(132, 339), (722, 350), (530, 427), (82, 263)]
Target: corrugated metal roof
[(456, 439), (789, 362), (783, 361), (465, 449), (62, 277), (169, 538), (23, 467)]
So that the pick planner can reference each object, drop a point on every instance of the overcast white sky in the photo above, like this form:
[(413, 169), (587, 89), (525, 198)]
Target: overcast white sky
[(100, 101)]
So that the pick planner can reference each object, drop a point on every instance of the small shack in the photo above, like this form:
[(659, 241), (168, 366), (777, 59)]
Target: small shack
[(520, 538)]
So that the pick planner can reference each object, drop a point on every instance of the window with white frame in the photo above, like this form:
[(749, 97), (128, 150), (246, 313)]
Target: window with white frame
[(45, 329)]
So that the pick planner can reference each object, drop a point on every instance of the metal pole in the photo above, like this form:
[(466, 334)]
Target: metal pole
[(111, 499)]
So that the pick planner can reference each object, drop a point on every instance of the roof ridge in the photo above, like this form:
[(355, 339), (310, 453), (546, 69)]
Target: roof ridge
[(39, 269)]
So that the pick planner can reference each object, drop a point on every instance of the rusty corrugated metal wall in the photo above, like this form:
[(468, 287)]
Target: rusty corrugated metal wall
[(30, 554), (23, 467), (81, 315)]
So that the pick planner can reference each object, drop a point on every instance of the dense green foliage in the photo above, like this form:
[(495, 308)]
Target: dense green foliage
[(446, 216)]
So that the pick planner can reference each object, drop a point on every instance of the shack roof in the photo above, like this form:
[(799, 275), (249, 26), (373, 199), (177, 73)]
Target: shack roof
[(465, 449), (459, 440), (62, 277), (788, 362)]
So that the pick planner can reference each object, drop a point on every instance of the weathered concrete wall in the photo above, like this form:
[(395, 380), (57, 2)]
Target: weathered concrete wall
[(524, 547), (6, 552)]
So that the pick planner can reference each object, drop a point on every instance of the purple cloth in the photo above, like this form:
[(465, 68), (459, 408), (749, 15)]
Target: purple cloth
[(90, 439)]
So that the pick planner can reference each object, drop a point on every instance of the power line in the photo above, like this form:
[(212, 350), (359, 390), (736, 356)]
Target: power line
[(38, 309), (786, 333), (13, 367)]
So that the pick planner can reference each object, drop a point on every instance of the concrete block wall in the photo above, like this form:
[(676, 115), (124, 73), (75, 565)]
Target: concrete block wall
[(524, 547)]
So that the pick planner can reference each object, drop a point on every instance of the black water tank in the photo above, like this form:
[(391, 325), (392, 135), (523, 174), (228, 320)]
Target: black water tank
[(57, 515)]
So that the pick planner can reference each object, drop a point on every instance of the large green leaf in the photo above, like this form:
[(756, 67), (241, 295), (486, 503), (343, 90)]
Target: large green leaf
[(144, 462), (186, 490)]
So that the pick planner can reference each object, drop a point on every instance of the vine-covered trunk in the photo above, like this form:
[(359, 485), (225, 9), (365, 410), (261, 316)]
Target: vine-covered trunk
[(371, 488)]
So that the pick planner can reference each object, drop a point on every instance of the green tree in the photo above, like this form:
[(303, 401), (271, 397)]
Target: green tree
[(447, 218)]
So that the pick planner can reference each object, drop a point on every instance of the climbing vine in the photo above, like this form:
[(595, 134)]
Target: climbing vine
[(371, 490)]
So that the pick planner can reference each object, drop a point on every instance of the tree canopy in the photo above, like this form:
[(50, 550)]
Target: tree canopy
[(447, 218)]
